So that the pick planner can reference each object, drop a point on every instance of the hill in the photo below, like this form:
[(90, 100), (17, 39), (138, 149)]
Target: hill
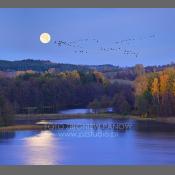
[(37, 65), (112, 72)]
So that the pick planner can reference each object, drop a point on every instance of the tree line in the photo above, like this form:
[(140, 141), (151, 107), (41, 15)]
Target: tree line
[(110, 71), (155, 93), (70, 89), (152, 95)]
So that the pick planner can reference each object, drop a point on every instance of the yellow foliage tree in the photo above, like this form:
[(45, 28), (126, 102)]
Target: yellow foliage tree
[(163, 83), (174, 88), (141, 85), (155, 88)]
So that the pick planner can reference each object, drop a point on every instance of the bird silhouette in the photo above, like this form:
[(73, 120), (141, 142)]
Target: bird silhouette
[(81, 46)]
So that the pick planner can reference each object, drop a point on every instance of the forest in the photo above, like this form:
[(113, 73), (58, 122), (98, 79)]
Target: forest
[(110, 71), (151, 94), (46, 93), (155, 93)]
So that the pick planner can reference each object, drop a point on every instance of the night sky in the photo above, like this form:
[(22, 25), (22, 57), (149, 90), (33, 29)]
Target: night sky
[(148, 32)]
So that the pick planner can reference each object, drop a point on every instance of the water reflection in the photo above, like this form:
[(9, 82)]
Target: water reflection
[(83, 111), (6, 135), (92, 127), (153, 126), (143, 143), (76, 111), (42, 148)]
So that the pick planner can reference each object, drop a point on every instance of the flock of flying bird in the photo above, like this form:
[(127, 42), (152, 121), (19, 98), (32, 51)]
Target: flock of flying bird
[(118, 47)]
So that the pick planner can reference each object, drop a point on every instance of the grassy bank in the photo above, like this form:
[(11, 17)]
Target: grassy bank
[(33, 117), (38, 117), (65, 116), (21, 127)]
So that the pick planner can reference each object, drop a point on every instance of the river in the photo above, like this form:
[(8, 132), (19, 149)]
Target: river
[(91, 142)]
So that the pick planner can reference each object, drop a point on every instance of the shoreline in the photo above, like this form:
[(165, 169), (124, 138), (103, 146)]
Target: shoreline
[(33, 117), (21, 127), (38, 117)]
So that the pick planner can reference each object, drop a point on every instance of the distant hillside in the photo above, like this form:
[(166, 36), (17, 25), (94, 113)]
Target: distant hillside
[(104, 67), (110, 71), (128, 73), (37, 65)]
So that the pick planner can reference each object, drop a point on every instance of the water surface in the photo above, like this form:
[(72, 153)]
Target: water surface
[(91, 142)]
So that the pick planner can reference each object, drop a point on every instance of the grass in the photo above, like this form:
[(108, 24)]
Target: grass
[(34, 117), (65, 116), (21, 127)]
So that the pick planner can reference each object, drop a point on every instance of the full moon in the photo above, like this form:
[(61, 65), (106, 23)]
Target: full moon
[(45, 38)]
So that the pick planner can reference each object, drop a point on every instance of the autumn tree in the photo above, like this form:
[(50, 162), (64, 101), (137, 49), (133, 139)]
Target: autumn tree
[(139, 69), (155, 89), (161, 86)]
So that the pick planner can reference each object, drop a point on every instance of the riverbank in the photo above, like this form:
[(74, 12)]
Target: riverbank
[(21, 127), (33, 117), (38, 117)]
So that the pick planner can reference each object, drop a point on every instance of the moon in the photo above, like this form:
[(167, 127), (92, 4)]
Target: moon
[(45, 38)]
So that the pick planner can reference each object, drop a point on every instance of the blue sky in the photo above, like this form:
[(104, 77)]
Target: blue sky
[(20, 30)]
